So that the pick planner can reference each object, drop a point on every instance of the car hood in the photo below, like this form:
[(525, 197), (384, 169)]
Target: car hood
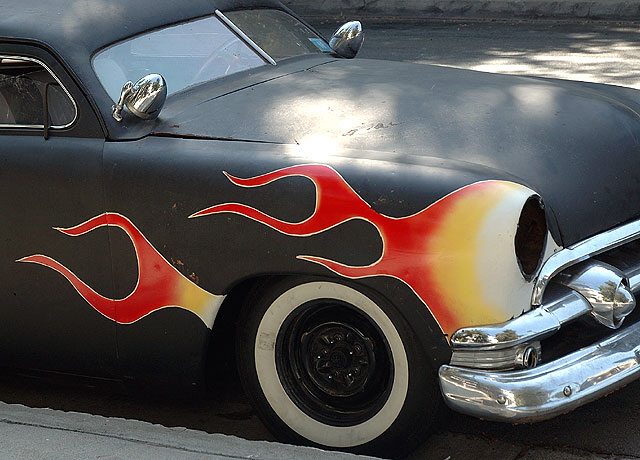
[(575, 143)]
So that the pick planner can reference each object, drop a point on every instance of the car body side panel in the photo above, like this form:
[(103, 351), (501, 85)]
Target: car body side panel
[(47, 184), (173, 180)]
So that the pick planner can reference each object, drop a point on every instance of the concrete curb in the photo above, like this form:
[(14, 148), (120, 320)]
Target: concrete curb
[(429, 9), (36, 434)]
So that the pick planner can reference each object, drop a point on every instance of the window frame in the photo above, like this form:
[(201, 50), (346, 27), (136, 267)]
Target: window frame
[(13, 126)]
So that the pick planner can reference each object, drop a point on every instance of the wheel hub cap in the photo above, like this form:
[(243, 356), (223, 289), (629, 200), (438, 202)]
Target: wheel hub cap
[(340, 358)]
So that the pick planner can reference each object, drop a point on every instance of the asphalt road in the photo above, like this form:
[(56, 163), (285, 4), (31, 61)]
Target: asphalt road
[(603, 52), (606, 429)]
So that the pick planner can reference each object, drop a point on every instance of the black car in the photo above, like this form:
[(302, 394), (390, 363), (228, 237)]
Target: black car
[(378, 237)]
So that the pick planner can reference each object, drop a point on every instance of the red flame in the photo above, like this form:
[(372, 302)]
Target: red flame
[(405, 254), (159, 284)]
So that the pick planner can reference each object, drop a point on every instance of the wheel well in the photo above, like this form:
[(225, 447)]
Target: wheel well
[(221, 358), (220, 364)]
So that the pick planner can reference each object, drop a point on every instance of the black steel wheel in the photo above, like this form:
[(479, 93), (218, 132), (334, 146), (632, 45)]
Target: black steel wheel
[(328, 364)]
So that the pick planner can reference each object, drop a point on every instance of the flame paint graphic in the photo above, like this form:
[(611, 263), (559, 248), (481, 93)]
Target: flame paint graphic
[(439, 252), (159, 284)]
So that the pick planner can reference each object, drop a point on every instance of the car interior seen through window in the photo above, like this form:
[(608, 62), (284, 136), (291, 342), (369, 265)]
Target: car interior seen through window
[(23, 85)]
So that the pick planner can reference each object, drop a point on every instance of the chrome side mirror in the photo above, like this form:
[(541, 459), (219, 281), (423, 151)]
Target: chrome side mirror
[(347, 40), (144, 99)]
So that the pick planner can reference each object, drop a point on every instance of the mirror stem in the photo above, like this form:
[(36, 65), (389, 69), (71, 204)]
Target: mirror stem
[(117, 109)]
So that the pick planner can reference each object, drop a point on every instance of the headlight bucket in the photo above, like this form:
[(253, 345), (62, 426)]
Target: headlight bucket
[(530, 237)]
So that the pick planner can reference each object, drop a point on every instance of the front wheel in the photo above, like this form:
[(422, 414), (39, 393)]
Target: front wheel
[(328, 364)]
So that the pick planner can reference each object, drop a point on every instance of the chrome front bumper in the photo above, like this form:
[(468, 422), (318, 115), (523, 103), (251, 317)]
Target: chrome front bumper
[(547, 390)]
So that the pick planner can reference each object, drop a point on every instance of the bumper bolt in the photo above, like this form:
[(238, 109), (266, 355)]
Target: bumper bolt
[(502, 399), (567, 391)]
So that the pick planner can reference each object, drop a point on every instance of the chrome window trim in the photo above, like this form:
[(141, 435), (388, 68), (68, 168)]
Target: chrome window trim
[(581, 251), (235, 29), (55, 77)]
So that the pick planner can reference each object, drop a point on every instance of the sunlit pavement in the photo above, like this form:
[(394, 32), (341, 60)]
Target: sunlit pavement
[(412, 9), (602, 52)]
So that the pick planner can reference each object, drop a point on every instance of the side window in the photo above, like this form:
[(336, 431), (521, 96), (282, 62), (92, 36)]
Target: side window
[(27, 87)]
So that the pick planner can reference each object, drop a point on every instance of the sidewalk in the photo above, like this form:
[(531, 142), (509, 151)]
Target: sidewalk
[(624, 10), (46, 434)]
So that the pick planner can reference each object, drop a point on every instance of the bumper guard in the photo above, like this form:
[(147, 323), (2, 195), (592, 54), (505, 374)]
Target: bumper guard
[(547, 390)]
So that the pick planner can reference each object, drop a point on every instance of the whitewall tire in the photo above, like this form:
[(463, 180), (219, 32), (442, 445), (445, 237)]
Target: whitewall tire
[(332, 365)]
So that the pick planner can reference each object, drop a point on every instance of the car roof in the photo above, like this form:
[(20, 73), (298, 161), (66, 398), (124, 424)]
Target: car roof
[(77, 28)]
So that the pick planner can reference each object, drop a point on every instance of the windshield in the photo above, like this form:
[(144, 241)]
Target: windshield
[(278, 33), (204, 49)]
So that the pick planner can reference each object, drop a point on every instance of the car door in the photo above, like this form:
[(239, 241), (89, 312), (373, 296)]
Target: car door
[(50, 182)]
